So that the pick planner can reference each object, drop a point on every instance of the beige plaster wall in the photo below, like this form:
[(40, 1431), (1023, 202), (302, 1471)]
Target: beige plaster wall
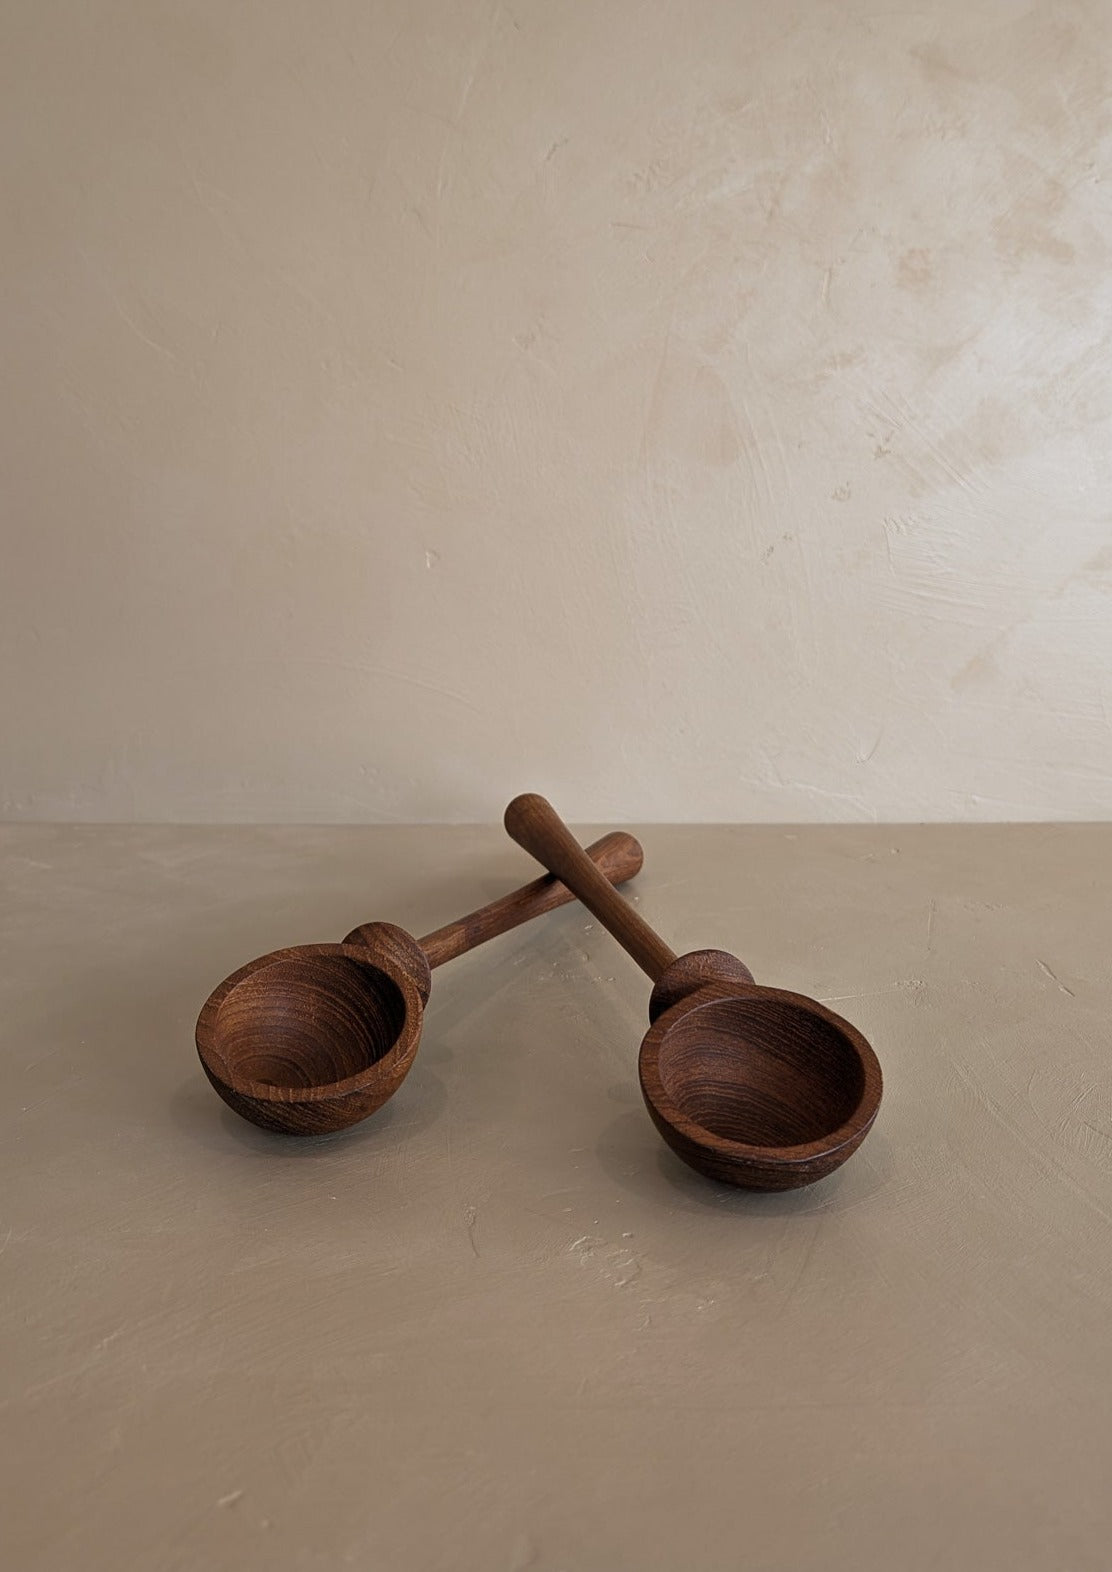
[(696, 411)]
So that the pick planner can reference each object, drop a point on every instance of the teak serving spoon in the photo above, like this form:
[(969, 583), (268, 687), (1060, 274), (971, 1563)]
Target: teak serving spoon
[(313, 1038), (754, 1086)]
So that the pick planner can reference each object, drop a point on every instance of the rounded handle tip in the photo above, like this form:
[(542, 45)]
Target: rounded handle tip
[(524, 810)]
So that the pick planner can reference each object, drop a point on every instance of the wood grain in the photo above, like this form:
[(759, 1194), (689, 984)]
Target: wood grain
[(312, 1039), (765, 1089)]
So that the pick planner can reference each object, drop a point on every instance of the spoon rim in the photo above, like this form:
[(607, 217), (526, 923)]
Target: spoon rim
[(849, 1133), (402, 1049)]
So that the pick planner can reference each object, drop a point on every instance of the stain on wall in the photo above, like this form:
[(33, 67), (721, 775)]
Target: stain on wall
[(698, 413)]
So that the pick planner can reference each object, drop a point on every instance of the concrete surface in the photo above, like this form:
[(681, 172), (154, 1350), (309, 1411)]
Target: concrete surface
[(395, 392), (499, 1327)]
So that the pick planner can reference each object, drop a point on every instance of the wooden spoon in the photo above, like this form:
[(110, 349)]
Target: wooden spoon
[(754, 1086), (311, 1039)]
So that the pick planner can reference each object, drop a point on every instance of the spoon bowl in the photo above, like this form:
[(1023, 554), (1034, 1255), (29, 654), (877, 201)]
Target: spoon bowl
[(310, 1039), (759, 1087)]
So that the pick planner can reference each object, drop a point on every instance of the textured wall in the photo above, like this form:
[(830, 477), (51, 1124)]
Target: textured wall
[(693, 411)]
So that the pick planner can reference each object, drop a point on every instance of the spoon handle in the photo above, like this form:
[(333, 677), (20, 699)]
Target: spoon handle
[(616, 857), (536, 826)]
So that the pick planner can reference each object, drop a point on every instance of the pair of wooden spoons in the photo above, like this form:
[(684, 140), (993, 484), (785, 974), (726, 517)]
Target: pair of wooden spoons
[(756, 1087)]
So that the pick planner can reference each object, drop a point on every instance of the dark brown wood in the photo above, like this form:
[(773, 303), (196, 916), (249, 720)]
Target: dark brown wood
[(753, 1086), (389, 943), (758, 1087), (312, 1039), (690, 972)]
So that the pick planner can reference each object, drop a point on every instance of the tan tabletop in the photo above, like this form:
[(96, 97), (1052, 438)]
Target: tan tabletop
[(499, 1326)]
